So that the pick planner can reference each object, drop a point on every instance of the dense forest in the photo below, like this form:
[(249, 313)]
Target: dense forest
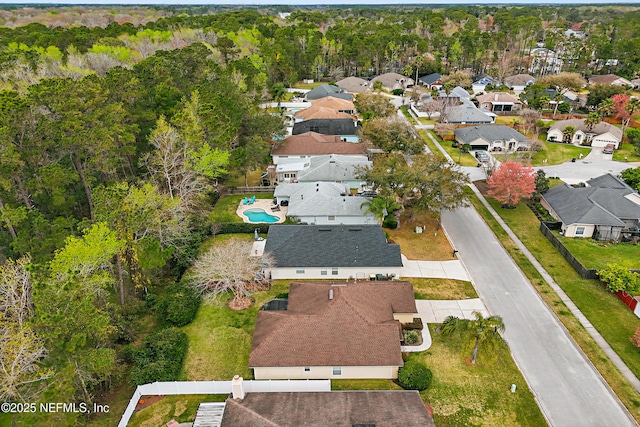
[(116, 136)]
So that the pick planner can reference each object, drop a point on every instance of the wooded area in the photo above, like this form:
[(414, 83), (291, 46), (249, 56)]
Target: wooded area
[(116, 134)]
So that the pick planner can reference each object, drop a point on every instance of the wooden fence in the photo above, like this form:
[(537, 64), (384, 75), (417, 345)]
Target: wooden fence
[(249, 190)]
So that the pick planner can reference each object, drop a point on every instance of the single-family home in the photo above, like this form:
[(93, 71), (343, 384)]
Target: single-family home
[(323, 203), (519, 82), (601, 213), (327, 122), (335, 168), (331, 252), (333, 330), (362, 408), (354, 85), (336, 104), (432, 81), (499, 102), (480, 82), (492, 138), (616, 184), (609, 79), (327, 90), (391, 81), (635, 83), (467, 113), (597, 136)]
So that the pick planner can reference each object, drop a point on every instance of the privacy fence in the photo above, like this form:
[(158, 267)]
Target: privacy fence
[(219, 387)]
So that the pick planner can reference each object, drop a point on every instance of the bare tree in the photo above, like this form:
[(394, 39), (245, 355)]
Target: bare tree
[(15, 291), (231, 267)]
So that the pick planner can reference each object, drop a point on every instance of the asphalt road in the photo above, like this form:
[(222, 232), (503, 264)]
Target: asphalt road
[(569, 390)]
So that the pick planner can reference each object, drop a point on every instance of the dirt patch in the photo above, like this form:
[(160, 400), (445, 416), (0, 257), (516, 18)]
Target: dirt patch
[(238, 304), (482, 186), (147, 401)]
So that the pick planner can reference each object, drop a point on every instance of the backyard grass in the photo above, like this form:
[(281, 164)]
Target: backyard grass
[(181, 408), (236, 178), (225, 208), (626, 153), (610, 317), (596, 255), (300, 85), (220, 338), (366, 384), (431, 245), (442, 289)]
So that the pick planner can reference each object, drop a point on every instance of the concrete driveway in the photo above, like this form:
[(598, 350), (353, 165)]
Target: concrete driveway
[(436, 269), (569, 391)]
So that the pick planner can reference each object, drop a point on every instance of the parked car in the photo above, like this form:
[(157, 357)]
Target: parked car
[(482, 156), (608, 149)]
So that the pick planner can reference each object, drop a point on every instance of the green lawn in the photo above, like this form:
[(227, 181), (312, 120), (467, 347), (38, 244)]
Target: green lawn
[(225, 208), (609, 316), (220, 339), (596, 255), (181, 408), (626, 153), (554, 153), (442, 289), (432, 146), (467, 395), (463, 159)]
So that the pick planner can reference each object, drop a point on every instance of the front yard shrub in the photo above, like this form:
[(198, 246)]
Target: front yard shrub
[(161, 357), (390, 222), (415, 375), (411, 336), (618, 278)]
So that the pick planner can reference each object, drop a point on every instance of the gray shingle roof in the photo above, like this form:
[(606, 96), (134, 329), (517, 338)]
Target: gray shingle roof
[(519, 80), (325, 126), (333, 167), (467, 113), (589, 205), (612, 182), (321, 199), (489, 133), (335, 408), (331, 246), (354, 84), (328, 90), (430, 78)]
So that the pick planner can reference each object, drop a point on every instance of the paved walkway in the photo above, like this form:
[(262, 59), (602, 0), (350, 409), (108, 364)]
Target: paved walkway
[(434, 269), (435, 311)]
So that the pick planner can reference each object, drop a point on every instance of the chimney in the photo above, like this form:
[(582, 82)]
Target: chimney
[(236, 387), (330, 294)]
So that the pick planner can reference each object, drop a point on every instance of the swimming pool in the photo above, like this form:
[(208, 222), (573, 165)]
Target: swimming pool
[(259, 215)]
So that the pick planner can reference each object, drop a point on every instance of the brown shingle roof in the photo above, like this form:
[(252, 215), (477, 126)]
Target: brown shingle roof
[(312, 143), (603, 79), (354, 328), (394, 408), (333, 103), (321, 112), (498, 97)]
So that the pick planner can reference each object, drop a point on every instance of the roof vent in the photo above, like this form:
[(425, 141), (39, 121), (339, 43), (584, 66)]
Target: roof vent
[(324, 229), (330, 294)]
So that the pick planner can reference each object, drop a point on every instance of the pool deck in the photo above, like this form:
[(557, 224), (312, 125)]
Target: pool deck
[(265, 205)]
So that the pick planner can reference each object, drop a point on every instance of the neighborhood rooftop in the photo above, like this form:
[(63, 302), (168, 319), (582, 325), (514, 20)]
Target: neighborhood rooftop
[(313, 143), (335, 408), (490, 133), (331, 246), (329, 325)]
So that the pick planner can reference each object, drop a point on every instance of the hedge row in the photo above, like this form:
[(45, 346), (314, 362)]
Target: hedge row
[(161, 357), (241, 227)]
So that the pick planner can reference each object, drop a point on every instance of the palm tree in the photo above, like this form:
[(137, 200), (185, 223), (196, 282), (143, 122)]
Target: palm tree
[(632, 106), (557, 98), (592, 119), (479, 332), (278, 91), (567, 134), (606, 107), (380, 207)]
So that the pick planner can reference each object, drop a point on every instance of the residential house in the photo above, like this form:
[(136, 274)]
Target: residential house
[(293, 154), (432, 81), (354, 85), (392, 81), (635, 83), (341, 124), (519, 82), (598, 212), (492, 138), (323, 203), (325, 90), (363, 408), (609, 79), (616, 184), (467, 113), (480, 82), (334, 330), (331, 252), (597, 136), (335, 168), (499, 102), (336, 104)]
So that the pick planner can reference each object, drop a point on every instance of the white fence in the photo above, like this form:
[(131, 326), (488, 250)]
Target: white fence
[(219, 387)]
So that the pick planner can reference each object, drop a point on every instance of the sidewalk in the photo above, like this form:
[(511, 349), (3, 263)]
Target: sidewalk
[(434, 269)]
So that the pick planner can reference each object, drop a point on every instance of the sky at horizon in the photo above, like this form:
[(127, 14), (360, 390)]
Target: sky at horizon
[(312, 2)]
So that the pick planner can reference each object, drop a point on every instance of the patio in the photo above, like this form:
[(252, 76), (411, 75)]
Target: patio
[(264, 204)]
